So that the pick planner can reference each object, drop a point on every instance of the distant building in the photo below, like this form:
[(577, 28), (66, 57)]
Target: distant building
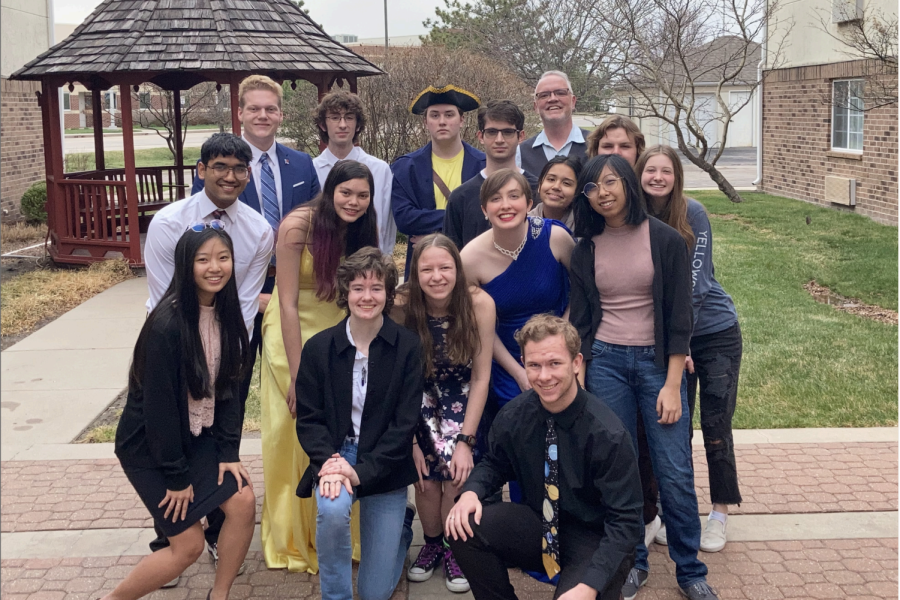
[(25, 32), (824, 139), (344, 38), (393, 41)]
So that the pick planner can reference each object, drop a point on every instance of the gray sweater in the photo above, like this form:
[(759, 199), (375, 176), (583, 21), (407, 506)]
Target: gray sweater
[(713, 308)]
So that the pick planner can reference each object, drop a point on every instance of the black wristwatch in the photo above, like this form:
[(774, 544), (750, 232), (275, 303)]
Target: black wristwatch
[(468, 439)]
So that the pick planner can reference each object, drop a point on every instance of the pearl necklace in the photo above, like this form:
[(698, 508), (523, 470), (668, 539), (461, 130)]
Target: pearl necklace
[(513, 254)]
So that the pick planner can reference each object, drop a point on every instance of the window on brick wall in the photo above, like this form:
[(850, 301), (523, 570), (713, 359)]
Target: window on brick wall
[(847, 115), (144, 99), (67, 101)]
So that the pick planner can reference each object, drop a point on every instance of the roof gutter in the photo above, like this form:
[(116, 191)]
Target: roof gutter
[(758, 103)]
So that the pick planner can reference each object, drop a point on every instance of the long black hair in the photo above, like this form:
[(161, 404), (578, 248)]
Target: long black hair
[(181, 304), (589, 222)]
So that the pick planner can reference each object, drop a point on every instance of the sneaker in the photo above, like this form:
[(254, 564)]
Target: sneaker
[(661, 538), (635, 581), (713, 538), (651, 529), (429, 557), (172, 583), (456, 581), (213, 552), (699, 591)]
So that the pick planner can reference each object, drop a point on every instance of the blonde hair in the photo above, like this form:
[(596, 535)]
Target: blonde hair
[(540, 327), (259, 82)]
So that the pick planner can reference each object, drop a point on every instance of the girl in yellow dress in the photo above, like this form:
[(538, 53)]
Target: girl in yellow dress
[(312, 240)]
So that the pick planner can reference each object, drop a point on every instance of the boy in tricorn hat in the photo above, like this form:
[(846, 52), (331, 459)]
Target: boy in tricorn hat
[(423, 179)]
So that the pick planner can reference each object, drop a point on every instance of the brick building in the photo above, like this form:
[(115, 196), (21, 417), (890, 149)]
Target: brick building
[(24, 33), (829, 135)]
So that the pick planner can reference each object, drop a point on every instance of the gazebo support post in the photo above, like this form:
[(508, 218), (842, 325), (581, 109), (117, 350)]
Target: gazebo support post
[(131, 195), (179, 144), (353, 88), (235, 102), (55, 199), (97, 118)]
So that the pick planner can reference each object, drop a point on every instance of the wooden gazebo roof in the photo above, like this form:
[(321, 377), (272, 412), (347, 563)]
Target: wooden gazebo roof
[(179, 43)]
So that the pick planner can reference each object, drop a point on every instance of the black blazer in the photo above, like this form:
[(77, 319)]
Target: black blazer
[(154, 430), (393, 403), (673, 316)]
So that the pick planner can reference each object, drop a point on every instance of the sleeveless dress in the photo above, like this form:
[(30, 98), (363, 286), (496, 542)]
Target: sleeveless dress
[(534, 283), (288, 529), (444, 406)]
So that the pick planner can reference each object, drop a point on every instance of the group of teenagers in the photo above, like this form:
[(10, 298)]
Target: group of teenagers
[(557, 315)]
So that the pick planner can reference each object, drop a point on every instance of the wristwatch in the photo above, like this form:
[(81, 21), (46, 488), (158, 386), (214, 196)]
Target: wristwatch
[(468, 439)]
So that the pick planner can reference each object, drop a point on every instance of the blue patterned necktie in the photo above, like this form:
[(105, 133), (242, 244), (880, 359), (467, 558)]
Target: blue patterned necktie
[(271, 210), (550, 543)]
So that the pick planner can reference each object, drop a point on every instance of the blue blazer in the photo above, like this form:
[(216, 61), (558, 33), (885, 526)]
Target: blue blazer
[(412, 195), (299, 182)]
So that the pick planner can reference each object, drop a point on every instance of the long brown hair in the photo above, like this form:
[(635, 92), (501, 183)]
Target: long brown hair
[(463, 342), (674, 214)]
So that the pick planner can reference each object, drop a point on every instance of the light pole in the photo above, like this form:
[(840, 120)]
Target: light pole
[(385, 31)]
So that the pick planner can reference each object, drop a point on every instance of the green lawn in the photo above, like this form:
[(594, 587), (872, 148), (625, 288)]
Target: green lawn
[(150, 157), (806, 364)]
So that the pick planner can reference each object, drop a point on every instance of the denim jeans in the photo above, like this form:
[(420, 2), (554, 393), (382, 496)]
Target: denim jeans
[(385, 537), (628, 381)]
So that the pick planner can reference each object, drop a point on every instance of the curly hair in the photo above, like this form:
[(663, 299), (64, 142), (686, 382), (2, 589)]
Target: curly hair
[(338, 102), (368, 260)]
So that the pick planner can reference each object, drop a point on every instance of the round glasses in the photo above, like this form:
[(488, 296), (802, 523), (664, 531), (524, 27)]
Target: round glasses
[(609, 184), (199, 226)]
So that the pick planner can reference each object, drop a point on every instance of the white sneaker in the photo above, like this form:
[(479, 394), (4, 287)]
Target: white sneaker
[(651, 529), (661, 536), (713, 537)]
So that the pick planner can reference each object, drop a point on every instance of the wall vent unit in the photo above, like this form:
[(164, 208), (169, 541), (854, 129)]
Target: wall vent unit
[(840, 190), (844, 11)]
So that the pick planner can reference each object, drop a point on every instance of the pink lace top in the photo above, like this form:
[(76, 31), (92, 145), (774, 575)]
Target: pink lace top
[(201, 411)]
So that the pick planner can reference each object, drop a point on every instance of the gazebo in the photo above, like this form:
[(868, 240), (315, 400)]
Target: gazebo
[(174, 44)]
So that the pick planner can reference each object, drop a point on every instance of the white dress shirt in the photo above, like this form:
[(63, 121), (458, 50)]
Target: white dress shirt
[(381, 195), (575, 136), (256, 173), (360, 384), (250, 233)]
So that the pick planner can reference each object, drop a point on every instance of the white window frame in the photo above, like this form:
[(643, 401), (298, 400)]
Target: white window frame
[(67, 100), (846, 117)]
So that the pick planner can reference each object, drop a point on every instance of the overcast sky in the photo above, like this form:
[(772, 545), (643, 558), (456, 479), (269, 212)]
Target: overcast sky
[(364, 18)]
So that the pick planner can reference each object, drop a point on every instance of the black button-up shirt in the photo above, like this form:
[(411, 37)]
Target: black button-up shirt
[(599, 485)]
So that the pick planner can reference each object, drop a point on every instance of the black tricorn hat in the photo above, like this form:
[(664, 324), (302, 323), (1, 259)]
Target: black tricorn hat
[(449, 94)]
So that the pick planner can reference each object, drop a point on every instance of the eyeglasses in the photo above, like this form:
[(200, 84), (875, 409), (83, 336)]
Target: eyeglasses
[(609, 184), (199, 226), (240, 172), (560, 93), (349, 118), (492, 133)]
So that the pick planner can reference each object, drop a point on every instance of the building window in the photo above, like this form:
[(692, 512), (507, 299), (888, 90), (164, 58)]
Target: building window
[(67, 101), (847, 115), (144, 100), (631, 106)]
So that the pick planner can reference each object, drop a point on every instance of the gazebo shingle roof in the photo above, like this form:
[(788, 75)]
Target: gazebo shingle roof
[(133, 36)]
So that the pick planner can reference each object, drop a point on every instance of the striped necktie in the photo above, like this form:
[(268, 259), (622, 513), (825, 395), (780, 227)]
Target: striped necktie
[(271, 210), (550, 509)]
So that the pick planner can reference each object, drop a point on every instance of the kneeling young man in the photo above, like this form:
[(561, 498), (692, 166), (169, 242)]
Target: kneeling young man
[(580, 514)]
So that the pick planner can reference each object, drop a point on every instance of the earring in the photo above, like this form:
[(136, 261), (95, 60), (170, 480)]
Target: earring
[(485, 217)]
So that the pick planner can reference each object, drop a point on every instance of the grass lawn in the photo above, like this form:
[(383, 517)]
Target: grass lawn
[(149, 157), (806, 364)]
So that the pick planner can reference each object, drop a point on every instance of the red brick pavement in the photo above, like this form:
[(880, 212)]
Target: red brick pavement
[(782, 478), (824, 569)]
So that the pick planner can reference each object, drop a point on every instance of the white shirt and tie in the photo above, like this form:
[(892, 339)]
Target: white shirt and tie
[(250, 233), (381, 195)]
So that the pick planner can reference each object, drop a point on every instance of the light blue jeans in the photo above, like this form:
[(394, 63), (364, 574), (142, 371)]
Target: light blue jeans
[(385, 537)]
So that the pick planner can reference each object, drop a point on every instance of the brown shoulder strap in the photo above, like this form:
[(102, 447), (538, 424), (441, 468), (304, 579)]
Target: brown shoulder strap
[(441, 185)]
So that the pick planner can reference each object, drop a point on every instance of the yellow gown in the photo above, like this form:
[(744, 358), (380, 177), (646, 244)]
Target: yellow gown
[(289, 522)]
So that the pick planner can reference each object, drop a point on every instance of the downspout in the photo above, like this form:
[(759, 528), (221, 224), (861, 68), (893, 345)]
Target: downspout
[(758, 104), (51, 41)]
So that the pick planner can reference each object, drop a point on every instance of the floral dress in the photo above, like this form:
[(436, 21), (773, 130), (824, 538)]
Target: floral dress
[(444, 407)]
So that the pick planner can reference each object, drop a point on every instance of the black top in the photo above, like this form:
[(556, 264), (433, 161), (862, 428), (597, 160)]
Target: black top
[(154, 430), (463, 218), (534, 159), (672, 310), (393, 402), (599, 485)]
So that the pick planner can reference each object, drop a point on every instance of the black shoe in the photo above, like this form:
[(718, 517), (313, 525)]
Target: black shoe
[(635, 581), (699, 591)]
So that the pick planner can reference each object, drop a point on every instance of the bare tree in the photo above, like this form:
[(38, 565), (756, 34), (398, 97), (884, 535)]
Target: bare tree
[(678, 59), (868, 34), (155, 109)]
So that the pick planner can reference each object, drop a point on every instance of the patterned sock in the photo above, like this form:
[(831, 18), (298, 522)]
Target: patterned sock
[(723, 517), (434, 540)]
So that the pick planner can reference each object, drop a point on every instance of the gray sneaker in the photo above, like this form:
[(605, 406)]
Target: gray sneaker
[(699, 591), (635, 581), (213, 551)]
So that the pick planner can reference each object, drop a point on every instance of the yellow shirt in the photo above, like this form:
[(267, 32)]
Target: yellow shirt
[(450, 171)]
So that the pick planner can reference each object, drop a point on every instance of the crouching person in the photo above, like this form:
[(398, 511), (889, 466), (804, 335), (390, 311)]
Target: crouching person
[(359, 389), (580, 515)]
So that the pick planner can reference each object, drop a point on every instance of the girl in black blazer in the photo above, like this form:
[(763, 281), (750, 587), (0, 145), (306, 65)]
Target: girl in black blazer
[(359, 388), (180, 432)]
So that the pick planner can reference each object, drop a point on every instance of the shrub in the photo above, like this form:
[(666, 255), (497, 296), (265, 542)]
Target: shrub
[(34, 203)]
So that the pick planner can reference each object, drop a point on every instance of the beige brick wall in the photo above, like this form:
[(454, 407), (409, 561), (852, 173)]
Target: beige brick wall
[(797, 142), (21, 144)]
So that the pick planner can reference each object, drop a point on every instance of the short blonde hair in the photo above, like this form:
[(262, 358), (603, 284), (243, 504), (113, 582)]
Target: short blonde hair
[(259, 82), (540, 327)]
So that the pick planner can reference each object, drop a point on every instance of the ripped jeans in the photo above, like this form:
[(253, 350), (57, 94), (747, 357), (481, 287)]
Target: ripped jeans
[(717, 364)]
